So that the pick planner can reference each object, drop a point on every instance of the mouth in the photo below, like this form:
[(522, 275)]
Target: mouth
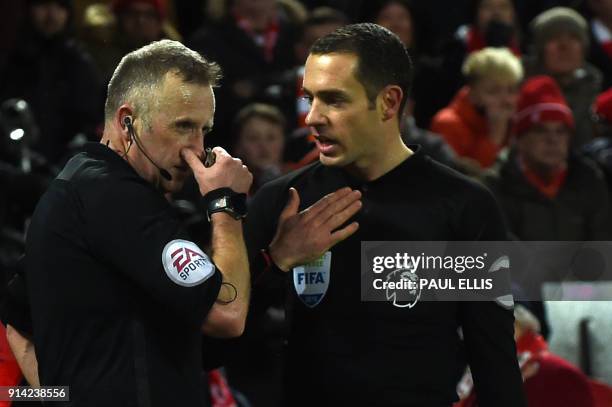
[(325, 144)]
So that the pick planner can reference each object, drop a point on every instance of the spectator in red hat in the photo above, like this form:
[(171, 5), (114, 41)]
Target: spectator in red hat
[(540, 184), (561, 40), (476, 124)]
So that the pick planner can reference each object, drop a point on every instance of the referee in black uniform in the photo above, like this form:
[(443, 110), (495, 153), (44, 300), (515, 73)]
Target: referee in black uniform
[(120, 294), (343, 351)]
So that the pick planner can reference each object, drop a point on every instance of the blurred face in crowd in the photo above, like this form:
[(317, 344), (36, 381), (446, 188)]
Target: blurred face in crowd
[(258, 11), (310, 35), (397, 19), (261, 143), (545, 146), (498, 10), (180, 116), (49, 18), (141, 23), (494, 96), (344, 122), (563, 54)]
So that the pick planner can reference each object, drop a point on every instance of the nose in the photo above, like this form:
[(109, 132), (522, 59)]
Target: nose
[(315, 117), (197, 145)]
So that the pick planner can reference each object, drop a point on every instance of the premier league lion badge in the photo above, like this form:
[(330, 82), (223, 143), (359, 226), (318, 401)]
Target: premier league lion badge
[(408, 295)]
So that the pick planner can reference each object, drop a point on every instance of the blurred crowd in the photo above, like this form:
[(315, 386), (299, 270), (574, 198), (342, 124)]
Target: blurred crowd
[(515, 93)]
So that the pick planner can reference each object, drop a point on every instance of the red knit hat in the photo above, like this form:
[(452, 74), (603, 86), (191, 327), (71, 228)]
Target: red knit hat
[(541, 100), (603, 106), (160, 6)]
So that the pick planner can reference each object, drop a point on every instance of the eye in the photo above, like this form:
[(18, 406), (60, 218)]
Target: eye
[(184, 125), (307, 99)]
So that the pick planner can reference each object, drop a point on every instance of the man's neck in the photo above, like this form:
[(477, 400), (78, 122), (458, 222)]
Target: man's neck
[(389, 157)]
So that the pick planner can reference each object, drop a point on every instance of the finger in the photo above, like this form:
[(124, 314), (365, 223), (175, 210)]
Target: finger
[(338, 206), (293, 203), (341, 234), (221, 153), (339, 218), (191, 158), (315, 209)]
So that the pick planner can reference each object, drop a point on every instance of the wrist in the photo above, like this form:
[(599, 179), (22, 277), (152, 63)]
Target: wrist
[(225, 200), (272, 263), (225, 219)]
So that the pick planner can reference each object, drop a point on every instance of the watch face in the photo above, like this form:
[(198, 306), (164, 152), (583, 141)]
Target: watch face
[(235, 205), (220, 203)]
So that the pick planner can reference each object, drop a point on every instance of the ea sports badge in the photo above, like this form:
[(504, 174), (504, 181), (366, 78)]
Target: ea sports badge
[(186, 264), (312, 279)]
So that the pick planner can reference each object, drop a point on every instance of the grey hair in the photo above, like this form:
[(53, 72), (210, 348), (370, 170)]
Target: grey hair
[(141, 72)]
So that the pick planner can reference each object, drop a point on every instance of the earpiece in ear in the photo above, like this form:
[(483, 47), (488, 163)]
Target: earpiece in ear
[(127, 121)]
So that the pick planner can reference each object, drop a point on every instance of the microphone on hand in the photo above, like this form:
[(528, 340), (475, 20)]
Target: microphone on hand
[(127, 121)]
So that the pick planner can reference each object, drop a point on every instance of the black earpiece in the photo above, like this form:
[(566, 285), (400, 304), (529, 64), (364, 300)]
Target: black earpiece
[(127, 121)]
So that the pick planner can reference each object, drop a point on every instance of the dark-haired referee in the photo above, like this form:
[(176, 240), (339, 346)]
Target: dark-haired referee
[(343, 351)]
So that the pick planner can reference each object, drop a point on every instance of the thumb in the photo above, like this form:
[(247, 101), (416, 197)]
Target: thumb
[(293, 204)]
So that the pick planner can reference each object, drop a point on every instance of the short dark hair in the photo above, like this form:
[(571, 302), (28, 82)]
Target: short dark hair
[(141, 72), (382, 59)]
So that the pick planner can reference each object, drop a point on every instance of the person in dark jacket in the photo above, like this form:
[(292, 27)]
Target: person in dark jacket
[(56, 77), (253, 43), (541, 186)]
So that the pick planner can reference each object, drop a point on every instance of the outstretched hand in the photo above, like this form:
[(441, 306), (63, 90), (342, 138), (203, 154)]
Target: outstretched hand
[(304, 236)]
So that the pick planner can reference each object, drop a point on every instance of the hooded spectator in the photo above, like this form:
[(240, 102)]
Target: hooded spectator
[(561, 43)]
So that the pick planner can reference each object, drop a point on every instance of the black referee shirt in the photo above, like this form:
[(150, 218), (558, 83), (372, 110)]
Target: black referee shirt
[(117, 290), (347, 352)]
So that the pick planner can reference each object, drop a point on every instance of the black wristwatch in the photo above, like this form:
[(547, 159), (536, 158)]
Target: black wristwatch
[(225, 200)]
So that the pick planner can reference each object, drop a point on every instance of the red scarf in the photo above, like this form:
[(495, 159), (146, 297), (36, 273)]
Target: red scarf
[(549, 188), (265, 40)]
